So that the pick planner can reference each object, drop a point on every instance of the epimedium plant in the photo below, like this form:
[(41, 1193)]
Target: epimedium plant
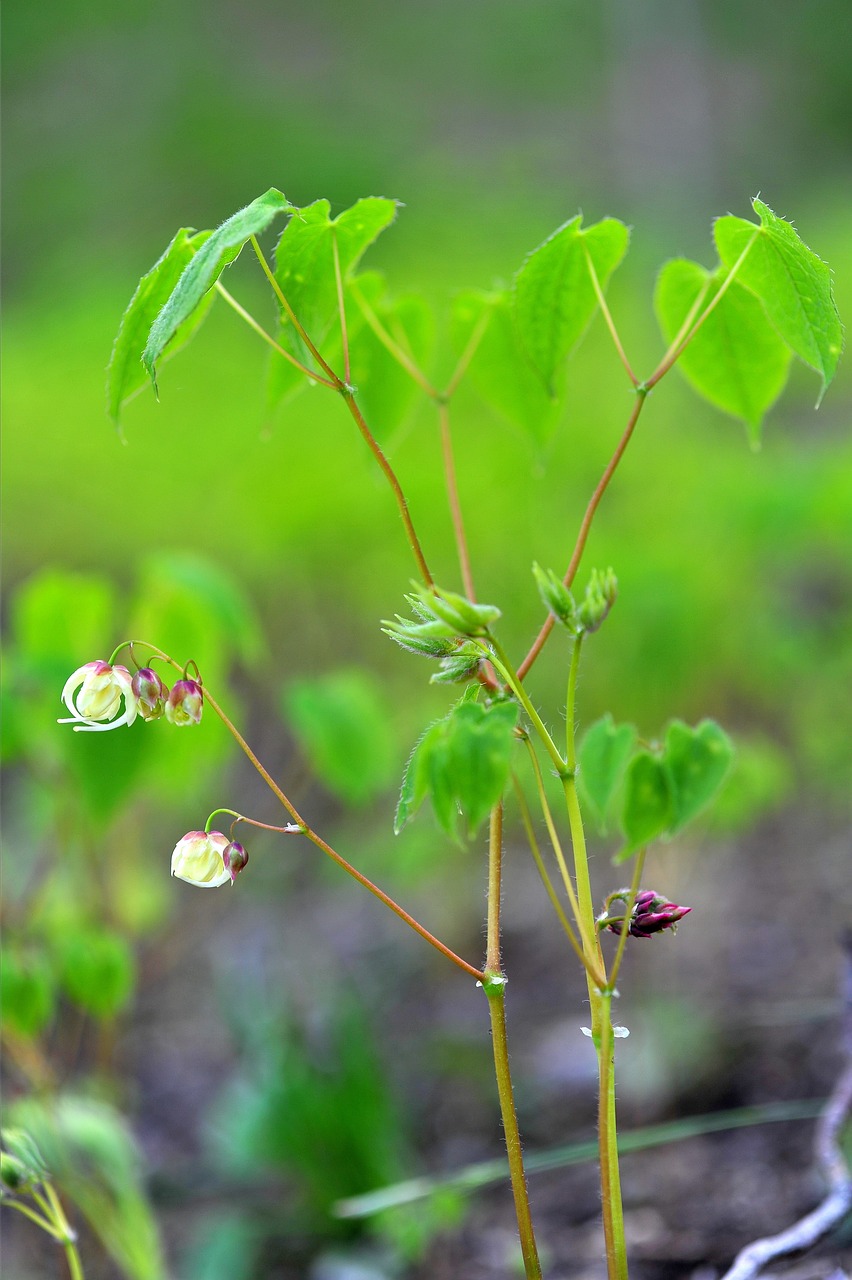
[(732, 330)]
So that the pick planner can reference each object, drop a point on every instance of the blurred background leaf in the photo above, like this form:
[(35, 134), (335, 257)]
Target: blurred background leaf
[(268, 551)]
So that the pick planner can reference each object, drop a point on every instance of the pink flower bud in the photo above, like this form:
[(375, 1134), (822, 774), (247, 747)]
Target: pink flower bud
[(651, 913), (197, 859), (185, 703), (93, 695), (234, 858), (150, 693)]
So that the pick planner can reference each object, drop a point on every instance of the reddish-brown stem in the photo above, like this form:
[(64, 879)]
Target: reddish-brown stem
[(261, 332), (453, 500), (390, 475), (333, 854), (495, 888), (291, 315), (582, 536)]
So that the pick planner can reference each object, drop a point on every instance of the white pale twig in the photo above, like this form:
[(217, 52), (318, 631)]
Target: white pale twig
[(751, 1260)]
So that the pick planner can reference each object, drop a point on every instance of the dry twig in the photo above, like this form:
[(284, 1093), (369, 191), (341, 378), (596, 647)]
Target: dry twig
[(830, 1161)]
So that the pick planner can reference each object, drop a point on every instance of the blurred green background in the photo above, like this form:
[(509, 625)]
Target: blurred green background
[(269, 549)]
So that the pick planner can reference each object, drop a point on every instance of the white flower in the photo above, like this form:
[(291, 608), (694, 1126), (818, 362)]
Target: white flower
[(197, 858), (93, 695)]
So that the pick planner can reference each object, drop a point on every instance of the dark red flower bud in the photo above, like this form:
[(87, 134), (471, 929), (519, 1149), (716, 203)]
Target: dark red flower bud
[(234, 858), (150, 693), (651, 913)]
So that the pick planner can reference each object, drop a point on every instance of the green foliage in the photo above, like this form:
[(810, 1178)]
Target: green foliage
[(462, 763), (57, 616), (386, 391), (666, 788), (647, 810), (737, 361), (556, 597), (793, 284), (696, 762), (601, 761), (317, 1107), (94, 1162), (126, 373), (307, 276), (500, 369), (760, 781), (343, 724), (554, 295), (27, 990), (204, 268), (224, 1244), (98, 970)]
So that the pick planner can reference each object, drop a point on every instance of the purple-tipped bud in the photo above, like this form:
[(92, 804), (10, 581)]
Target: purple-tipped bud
[(185, 703), (651, 913), (150, 693), (234, 858)]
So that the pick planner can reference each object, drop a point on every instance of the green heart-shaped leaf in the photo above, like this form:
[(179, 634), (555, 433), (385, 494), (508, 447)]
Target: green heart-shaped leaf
[(554, 295), (736, 360), (793, 284), (648, 807), (696, 762), (602, 759)]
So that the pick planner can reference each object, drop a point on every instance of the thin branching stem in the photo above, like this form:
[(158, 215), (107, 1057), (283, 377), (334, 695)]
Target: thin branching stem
[(291, 315), (501, 661), (642, 389), (259, 329), (672, 355), (495, 989), (628, 911), (585, 526), (317, 840), (607, 315), (469, 352), (592, 965), (30, 1213), (390, 344), (341, 310), (390, 475), (526, 819)]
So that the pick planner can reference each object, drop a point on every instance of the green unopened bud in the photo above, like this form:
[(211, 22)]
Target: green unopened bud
[(556, 597), (21, 1162), (461, 665), (14, 1175), (599, 598), (428, 639), (464, 616)]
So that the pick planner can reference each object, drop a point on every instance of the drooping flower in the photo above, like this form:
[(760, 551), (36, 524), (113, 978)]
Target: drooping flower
[(651, 913), (94, 694), (150, 693), (185, 703), (235, 858), (197, 859)]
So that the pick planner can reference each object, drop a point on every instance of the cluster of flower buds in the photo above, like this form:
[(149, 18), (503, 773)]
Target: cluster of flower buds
[(100, 697), (21, 1163), (651, 913), (208, 859), (444, 628), (591, 612)]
